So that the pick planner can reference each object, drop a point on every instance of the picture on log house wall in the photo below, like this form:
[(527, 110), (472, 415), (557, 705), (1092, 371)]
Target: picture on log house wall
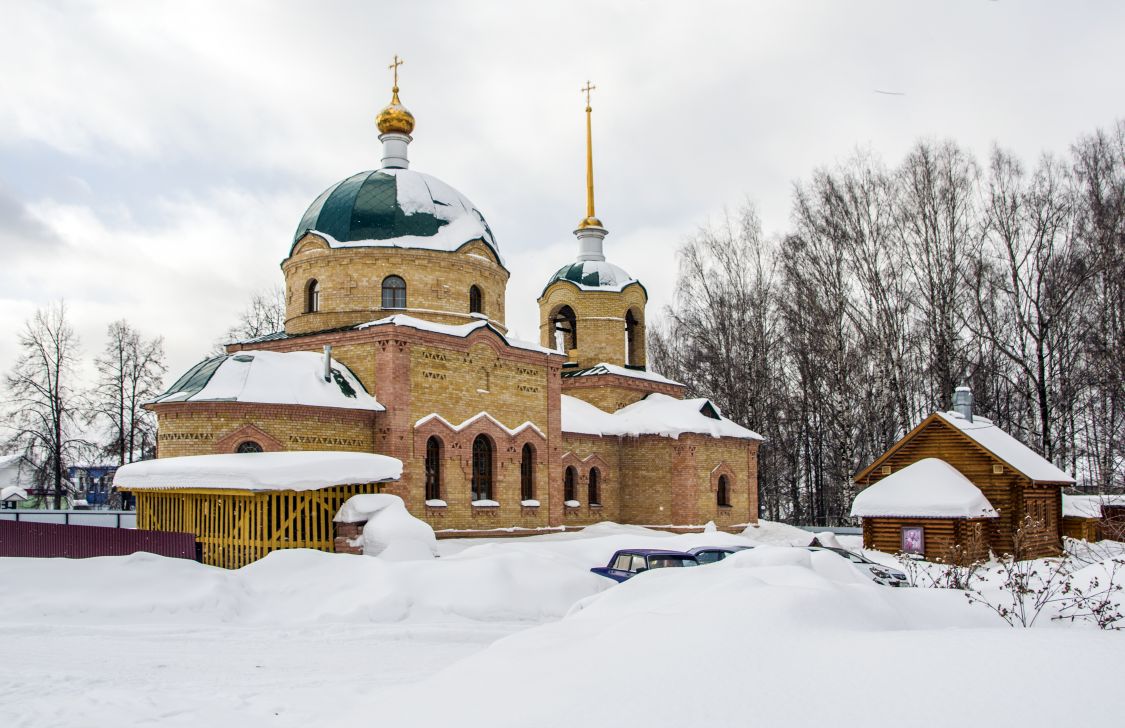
[(913, 540)]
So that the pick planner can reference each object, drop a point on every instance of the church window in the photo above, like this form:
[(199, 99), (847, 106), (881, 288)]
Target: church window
[(312, 296), (595, 498), (527, 472), (565, 329), (722, 494), (570, 486), (475, 303), (482, 468), (394, 292), (248, 446), (433, 469), (634, 345)]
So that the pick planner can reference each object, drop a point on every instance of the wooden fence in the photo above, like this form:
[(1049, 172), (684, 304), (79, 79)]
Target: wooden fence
[(52, 540)]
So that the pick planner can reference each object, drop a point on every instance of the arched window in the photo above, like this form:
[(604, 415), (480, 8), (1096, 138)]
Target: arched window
[(394, 292), (433, 469), (634, 342), (247, 446), (475, 303), (527, 472), (565, 329), (312, 296), (722, 494), (570, 485), (482, 468), (595, 496)]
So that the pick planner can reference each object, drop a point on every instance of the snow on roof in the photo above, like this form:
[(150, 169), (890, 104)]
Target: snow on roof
[(458, 330), (6, 460), (480, 415), (271, 377), (656, 414), (13, 493), (928, 488), (1089, 506), (604, 368), (1007, 448), (264, 471)]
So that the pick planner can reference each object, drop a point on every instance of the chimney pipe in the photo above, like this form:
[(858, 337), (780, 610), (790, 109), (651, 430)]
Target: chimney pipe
[(328, 362), (963, 402)]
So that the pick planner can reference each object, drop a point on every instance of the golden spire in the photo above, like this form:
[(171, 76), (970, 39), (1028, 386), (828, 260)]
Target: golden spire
[(590, 220), (395, 118)]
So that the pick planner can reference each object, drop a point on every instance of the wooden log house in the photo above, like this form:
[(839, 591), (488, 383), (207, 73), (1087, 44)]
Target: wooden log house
[(1018, 482)]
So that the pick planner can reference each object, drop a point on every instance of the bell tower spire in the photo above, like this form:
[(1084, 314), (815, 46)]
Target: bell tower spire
[(590, 233)]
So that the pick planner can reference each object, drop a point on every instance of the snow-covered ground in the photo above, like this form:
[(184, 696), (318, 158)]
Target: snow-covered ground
[(512, 632)]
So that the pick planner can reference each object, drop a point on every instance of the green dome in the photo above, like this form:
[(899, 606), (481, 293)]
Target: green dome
[(593, 275), (395, 207)]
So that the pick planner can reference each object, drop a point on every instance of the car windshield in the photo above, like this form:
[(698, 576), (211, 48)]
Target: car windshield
[(710, 557), (660, 562)]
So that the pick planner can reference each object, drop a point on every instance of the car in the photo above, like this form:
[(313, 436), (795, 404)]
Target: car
[(627, 563), (885, 575), (711, 554)]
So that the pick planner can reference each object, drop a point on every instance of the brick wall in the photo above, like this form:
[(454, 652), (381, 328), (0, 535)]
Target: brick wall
[(437, 284), (600, 322)]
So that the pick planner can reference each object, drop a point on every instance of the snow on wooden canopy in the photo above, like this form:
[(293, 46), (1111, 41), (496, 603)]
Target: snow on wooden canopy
[(929, 488), (263, 471)]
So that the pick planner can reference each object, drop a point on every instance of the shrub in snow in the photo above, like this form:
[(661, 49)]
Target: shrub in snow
[(390, 532)]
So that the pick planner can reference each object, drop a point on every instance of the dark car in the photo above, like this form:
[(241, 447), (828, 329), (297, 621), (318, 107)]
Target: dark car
[(630, 562), (711, 554)]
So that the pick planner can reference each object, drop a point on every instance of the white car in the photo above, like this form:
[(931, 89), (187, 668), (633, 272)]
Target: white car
[(885, 575)]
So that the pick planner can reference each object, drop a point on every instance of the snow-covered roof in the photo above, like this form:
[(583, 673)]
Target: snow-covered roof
[(400, 208), (264, 471), (656, 414), (271, 377), (6, 460), (1089, 506), (928, 488), (458, 330), (620, 371), (1007, 448), (594, 275), (13, 493)]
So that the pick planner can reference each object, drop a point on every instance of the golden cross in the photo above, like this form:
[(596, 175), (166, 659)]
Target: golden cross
[(394, 67), (586, 90)]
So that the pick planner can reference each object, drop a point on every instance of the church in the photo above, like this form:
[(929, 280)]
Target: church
[(395, 343)]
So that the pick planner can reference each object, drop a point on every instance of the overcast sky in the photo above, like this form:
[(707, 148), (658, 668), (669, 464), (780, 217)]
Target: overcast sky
[(156, 157)]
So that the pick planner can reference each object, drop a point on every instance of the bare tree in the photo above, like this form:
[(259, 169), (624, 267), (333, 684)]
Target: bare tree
[(130, 371), (264, 314), (44, 408)]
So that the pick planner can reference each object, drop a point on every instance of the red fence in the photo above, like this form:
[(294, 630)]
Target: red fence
[(50, 540)]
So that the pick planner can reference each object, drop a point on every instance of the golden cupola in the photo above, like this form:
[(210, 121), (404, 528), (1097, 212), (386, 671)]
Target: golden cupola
[(395, 123)]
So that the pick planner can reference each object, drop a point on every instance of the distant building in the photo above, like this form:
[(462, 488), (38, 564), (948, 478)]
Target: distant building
[(92, 484)]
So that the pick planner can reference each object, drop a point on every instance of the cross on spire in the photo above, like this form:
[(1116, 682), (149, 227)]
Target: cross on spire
[(586, 90), (394, 67)]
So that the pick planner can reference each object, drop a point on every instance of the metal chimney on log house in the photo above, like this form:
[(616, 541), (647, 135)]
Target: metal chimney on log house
[(963, 402)]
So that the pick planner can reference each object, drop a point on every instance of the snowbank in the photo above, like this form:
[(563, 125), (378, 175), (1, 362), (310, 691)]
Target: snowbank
[(390, 531), (291, 470), (929, 488)]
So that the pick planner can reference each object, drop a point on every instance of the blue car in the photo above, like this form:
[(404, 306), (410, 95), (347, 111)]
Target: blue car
[(711, 554), (627, 563)]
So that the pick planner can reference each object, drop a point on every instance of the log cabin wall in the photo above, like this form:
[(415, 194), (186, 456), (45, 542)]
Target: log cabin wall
[(941, 536), (1009, 492)]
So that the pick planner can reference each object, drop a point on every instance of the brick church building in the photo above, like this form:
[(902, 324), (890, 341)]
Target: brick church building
[(395, 343)]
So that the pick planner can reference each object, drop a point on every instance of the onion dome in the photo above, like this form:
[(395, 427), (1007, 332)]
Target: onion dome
[(395, 118), (395, 207), (590, 275)]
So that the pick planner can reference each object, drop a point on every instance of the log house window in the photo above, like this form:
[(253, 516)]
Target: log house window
[(433, 469), (394, 292), (482, 468)]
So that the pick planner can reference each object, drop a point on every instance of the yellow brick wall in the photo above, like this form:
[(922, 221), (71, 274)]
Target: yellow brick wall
[(437, 284), (600, 322), (584, 452)]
